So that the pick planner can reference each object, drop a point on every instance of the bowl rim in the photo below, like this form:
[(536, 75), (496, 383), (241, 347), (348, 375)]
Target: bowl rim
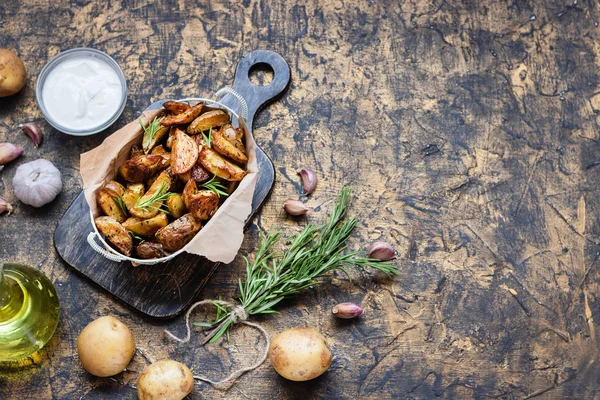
[(56, 60), (153, 261)]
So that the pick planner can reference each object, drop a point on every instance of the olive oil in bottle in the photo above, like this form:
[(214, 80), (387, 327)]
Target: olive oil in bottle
[(28, 311)]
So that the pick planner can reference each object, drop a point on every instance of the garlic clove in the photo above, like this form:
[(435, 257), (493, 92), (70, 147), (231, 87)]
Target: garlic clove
[(295, 207), (382, 251), (309, 180), (34, 132), (9, 152), (5, 206), (347, 310)]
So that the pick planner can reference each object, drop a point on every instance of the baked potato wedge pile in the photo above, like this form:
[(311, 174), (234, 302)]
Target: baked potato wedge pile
[(191, 158)]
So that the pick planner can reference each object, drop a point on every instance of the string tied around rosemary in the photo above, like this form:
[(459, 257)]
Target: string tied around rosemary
[(237, 314)]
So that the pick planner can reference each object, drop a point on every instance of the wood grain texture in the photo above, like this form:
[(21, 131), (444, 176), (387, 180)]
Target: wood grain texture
[(469, 133)]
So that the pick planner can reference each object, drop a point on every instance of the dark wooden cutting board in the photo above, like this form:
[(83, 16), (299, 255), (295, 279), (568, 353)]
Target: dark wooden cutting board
[(164, 290)]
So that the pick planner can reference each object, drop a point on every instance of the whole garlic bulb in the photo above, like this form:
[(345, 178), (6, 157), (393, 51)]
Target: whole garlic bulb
[(37, 183)]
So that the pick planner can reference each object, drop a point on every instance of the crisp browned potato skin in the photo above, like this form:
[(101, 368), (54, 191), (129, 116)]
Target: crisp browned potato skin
[(139, 169), (175, 107), (135, 152), (176, 206), (204, 122), (183, 118), (178, 233), (146, 227), (106, 200), (217, 165), (133, 192), (115, 233), (185, 153), (226, 148), (163, 178), (148, 250), (201, 203)]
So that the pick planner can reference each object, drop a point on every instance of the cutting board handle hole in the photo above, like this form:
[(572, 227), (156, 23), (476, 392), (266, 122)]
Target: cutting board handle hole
[(261, 74)]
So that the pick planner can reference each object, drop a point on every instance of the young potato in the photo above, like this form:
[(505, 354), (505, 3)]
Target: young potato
[(146, 227), (201, 203), (12, 71), (299, 354), (176, 206), (148, 250), (105, 346), (204, 122), (165, 380), (185, 153), (183, 118), (115, 233), (108, 200), (149, 210), (133, 192), (217, 165), (175, 107), (141, 168), (178, 233), (226, 148)]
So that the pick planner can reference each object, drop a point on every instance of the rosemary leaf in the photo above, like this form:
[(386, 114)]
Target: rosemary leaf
[(208, 139), (151, 129), (215, 186), (121, 204), (160, 195)]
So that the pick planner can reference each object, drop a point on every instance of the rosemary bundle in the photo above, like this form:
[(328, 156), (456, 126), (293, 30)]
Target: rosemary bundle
[(310, 255)]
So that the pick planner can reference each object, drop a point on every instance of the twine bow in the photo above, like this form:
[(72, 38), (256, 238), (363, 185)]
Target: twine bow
[(238, 315)]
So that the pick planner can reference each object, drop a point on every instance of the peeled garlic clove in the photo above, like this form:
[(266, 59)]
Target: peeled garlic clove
[(9, 152), (295, 207), (347, 310), (5, 206), (382, 251), (309, 180), (34, 132)]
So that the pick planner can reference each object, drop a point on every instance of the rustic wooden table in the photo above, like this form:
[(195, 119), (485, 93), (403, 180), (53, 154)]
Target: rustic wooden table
[(469, 133)]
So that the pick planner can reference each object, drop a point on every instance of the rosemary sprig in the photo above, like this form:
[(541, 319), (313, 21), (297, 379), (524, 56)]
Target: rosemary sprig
[(135, 236), (208, 139), (151, 129), (158, 196), (310, 255), (215, 186), (121, 204)]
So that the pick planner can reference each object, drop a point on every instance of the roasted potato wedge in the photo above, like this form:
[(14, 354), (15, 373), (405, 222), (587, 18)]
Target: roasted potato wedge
[(185, 153), (146, 227), (135, 152), (183, 118), (235, 136), (145, 208), (133, 192), (149, 250), (178, 233), (115, 233), (141, 168), (153, 134), (159, 150), (176, 206), (227, 148), (110, 201), (217, 165), (201, 203), (204, 122), (175, 107)]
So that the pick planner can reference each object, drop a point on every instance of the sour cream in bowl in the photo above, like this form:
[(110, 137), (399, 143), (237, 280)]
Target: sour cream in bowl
[(81, 91)]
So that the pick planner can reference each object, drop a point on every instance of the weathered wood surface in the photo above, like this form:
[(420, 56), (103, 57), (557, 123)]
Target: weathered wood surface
[(469, 132)]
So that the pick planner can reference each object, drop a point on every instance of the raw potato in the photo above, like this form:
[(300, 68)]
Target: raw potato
[(211, 119), (115, 233), (165, 380), (146, 227), (133, 192), (163, 181), (139, 169), (201, 203), (107, 200), (105, 346), (183, 118), (12, 73), (178, 233), (176, 206), (223, 146), (149, 250), (299, 354), (217, 165)]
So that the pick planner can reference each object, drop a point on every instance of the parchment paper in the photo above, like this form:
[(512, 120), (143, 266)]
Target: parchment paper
[(221, 238)]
